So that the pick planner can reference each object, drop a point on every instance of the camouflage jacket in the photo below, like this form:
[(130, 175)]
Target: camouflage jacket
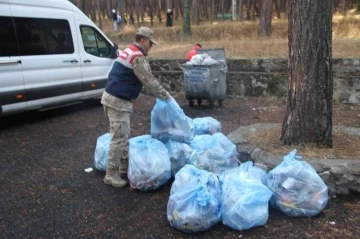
[(142, 70)]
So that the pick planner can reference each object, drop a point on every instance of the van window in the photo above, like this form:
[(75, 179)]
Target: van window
[(40, 36), (94, 43), (8, 46)]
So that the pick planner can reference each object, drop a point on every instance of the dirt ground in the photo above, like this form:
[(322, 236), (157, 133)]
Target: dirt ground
[(45, 192)]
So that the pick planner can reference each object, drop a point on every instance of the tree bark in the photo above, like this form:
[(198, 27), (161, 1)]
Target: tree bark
[(253, 13), (99, 15), (343, 6), (151, 12), (223, 9), (282, 5), (137, 12), (308, 117), (248, 9), (212, 11), (176, 8), (265, 18), (277, 9), (142, 11), (186, 31), (196, 12), (122, 13), (240, 14), (159, 11)]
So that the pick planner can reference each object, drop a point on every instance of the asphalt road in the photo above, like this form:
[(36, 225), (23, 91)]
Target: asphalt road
[(45, 192)]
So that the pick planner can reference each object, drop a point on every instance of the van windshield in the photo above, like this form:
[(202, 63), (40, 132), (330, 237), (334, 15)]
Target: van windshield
[(94, 43)]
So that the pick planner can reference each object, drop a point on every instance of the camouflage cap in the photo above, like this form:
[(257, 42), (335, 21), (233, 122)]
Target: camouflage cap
[(147, 32)]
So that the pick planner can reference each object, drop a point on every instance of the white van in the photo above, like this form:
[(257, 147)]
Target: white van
[(51, 54)]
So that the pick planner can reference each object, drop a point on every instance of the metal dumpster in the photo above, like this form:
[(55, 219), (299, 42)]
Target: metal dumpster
[(206, 82)]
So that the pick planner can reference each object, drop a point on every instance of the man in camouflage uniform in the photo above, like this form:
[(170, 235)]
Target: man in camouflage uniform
[(129, 74)]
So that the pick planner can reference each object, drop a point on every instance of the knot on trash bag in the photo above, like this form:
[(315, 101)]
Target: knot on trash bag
[(203, 197), (245, 166), (291, 156)]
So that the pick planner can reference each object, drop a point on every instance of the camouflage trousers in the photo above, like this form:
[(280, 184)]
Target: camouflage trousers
[(119, 131)]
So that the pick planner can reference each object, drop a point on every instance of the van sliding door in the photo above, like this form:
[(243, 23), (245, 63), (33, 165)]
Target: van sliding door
[(49, 55), (12, 91)]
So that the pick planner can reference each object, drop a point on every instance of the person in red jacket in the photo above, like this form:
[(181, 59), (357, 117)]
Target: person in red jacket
[(193, 52)]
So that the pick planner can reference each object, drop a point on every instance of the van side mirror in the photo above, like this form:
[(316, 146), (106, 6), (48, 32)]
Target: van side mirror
[(114, 53)]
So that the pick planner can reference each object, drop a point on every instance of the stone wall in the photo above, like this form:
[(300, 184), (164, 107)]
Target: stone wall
[(264, 77), (342, 176)]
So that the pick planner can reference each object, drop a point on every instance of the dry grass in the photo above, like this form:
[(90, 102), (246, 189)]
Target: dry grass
[(239, 39), (345, 146)]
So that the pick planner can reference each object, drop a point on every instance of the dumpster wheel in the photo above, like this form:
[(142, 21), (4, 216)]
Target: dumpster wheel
[(191, 103), (221, 103), (211, 104)]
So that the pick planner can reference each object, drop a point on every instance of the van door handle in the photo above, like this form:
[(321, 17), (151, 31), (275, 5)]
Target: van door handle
[(74, 61), (10, 62), (87, 61)]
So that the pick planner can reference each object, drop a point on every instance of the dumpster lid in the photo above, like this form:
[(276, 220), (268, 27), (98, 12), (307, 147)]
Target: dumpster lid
[(216, 53)]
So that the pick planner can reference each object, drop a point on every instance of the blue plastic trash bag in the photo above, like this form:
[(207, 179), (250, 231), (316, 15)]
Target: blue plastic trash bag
[(206, 125), (214, 153), (298, 189), (245, 199), (101, 152), (179, 155), (195, 200), (168, 121), (245, 171), (149, 163)]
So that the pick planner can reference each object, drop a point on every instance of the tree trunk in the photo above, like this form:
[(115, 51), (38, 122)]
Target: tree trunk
[(240, 14), (176, 8), (277, 9), (186, 32), (343, 6), (83, 6), (265, 18), (248, 9), (137, 11), (93, 11), (159, 11), (212, 11), (142, 9), (151, 12), (253, 13), (196, 12), (282, 5), (223, 9), (99, 15), (308, 117), (122, 13)]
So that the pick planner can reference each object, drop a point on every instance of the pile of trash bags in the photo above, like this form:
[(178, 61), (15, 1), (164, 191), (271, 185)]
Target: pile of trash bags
[(298, 189), (210, 186), (195, 200)]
